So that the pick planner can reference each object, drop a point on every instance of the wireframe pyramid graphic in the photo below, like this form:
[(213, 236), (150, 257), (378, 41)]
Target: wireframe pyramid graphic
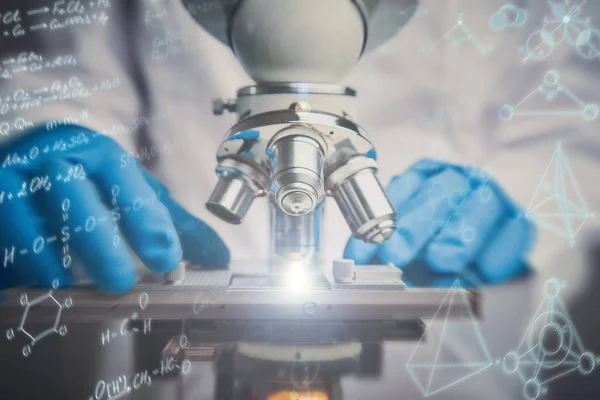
[(558, 202), (435, 366), (551, 347)]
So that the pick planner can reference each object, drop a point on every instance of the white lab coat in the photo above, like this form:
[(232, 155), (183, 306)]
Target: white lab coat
[(419, 95)]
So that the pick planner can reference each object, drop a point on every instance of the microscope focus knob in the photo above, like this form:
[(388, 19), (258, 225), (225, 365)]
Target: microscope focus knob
[(220, 106)]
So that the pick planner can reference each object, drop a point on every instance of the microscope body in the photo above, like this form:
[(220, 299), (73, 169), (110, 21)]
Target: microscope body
[(296, 143), (296, 140)]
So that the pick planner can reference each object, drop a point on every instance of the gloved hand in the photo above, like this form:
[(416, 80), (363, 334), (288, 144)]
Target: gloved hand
[(455, 219), (72, 194)]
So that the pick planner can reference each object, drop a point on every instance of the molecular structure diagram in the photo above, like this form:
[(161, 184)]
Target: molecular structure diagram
[(558, 203), (55, 328), (567, 24), (125, 330), (455, 222), (551, 88), (90, 224), (550, 349), (508, 16), (459, 34)]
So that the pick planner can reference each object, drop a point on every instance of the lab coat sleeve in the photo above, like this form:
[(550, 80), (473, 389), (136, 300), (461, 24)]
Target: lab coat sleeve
[(63, 63)]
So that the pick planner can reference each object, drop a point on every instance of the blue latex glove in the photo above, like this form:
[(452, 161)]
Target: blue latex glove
[(455, 219), (74, 194)]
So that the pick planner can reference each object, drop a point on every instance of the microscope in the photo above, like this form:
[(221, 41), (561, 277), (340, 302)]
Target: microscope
[(295, 330), (296, 140)]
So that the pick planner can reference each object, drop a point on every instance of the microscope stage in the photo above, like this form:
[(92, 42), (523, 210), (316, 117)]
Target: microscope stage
[(375, 294)]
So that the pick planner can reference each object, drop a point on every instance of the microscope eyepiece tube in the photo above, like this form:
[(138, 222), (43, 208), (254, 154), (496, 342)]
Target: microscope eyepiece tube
[(363, 202), (297, 172)]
